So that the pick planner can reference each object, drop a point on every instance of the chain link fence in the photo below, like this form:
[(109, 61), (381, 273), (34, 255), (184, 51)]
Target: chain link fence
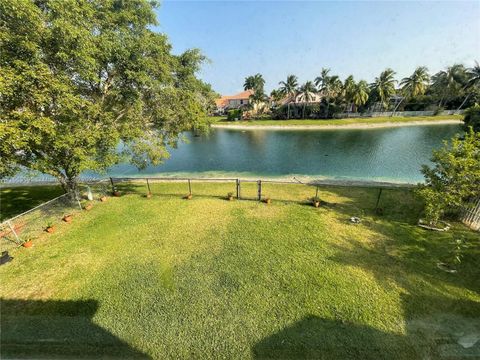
[(28, 225)]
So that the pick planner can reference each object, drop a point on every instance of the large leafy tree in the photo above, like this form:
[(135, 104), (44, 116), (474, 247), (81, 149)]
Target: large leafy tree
[(288, 89), (78, 77), (384, 86), (455, 177)]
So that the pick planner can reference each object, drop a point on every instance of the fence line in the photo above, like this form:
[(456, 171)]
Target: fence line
[(471, 215), (20, 228), (398, 113)]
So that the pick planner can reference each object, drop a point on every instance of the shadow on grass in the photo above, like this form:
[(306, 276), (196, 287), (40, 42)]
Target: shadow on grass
[(317, 338), (447, 335), (58, 329)]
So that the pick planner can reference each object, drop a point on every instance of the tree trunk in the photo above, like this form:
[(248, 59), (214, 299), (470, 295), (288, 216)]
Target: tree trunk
[(464, 101), (69, 183), (288, 110)]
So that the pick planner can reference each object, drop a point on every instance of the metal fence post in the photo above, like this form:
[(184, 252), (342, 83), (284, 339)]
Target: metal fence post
[(259, 190), (238, 189), (14, 232), (113, 185), (148, 187), (78, 200), (378, 198)]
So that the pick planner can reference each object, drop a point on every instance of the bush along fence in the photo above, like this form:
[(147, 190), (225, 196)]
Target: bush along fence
[(22, 229)]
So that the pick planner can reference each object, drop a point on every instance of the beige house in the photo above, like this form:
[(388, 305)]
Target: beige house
[(236, 101)]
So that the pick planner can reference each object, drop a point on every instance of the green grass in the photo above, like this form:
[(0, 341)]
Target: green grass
[(15, 200), (208, 278), (375, 120)]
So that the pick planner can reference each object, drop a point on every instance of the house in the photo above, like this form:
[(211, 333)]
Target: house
[(236, 101)]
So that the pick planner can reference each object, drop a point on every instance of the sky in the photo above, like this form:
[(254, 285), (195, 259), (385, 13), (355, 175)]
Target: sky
[(278, 38)]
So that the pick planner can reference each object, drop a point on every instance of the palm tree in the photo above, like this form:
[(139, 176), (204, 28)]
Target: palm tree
[(414, 85), (450, 82), (257, 98), (322, 80), (360, 94), (417, 83), (384, 86), (254, 82), (307, 92), (289, 88), (276, 96), (473, 81), (329, 86), (348, 90)]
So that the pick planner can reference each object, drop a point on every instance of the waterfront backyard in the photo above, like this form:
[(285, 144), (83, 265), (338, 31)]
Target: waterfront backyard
[(209, 278)]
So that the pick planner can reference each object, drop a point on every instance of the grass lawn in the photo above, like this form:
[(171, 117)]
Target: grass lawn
[(15, 200), (370, 120), (208, 278)]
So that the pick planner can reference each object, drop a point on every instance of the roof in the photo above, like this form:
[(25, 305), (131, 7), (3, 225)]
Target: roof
[(223, 101)]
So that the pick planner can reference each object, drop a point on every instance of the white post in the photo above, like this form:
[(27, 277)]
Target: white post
[(13, 230)]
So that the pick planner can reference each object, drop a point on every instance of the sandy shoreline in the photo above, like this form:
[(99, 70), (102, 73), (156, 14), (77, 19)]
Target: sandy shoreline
[(335, 126)]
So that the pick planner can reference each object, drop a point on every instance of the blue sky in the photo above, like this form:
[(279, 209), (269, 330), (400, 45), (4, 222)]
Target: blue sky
[(361, 38)]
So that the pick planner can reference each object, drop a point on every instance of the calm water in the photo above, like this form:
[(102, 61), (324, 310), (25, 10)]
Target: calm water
[(389, 154)]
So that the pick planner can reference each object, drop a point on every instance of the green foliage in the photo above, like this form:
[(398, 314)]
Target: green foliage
[(78, 77), (255, 83), (384, 87), (454, 179), (234, 114), (472, 118)]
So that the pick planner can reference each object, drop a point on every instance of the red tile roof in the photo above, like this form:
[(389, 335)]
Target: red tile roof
[(223, 101)]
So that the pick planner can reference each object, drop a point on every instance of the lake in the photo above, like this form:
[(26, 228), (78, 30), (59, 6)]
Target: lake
[(382, 154)]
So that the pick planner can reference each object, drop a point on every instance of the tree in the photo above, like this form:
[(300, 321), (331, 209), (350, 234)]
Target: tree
[(254, 82), (449, 83), (455, 178), (472, 118), (349, 90), (307, 92), (79, 77), (384, 86), (329, 86), (288, 89), (417, 83), (360, 93), (257, 98), (276, 96), (472, 83)]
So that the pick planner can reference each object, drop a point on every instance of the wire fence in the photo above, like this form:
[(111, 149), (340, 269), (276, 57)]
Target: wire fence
[(27, 226), (20, 229)]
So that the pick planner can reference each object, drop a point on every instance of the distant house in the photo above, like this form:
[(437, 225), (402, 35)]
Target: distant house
[(299, 99), (236, 101)]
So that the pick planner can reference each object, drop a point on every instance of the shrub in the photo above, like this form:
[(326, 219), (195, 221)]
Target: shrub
[(234, 114), (455, 178), (472, 118)]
